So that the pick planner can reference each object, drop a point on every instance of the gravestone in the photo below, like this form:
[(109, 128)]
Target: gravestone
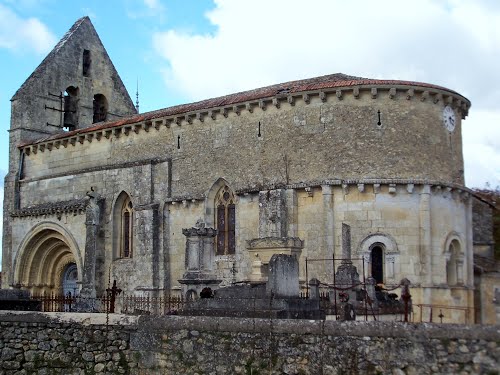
[(283, 279)]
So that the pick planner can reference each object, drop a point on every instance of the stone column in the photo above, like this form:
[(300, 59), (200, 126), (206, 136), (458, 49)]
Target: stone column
[(390, 259), (92, 223), (292, 212), (346, 274), (329, 226), (460, 271), (87, 301), (166, 249)]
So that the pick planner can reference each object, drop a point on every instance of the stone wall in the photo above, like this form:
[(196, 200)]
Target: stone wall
[(488, 284), (85, 344), (304, 143), (312, 146), (482, 220), (377, 214)]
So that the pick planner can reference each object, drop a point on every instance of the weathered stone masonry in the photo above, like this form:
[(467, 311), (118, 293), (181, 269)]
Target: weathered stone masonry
[(299, 158), (70, 344)]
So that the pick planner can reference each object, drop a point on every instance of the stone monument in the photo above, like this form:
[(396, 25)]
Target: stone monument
[(87, 300), (346, 276), (200, 255)]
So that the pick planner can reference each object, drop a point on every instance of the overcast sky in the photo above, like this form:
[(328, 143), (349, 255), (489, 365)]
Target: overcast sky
[(182, 51)]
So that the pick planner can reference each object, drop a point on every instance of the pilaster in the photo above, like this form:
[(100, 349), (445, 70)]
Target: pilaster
[(469, 253), (292, 212), (147, 246), (425, 235), (329, 223)]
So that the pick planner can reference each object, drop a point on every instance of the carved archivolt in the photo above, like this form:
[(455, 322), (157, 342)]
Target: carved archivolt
[(389, 254), (370, 241), (453, 236), (42, 256)]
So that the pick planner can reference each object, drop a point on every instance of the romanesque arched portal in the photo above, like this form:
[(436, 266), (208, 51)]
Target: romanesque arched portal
[(44, 258)]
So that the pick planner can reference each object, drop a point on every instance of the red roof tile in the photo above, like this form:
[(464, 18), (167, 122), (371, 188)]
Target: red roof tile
[(310, 84)]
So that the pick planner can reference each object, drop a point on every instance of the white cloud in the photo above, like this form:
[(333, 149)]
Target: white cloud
[(454, 43), (481, 134), (21, 34), (153, 4), (147, 8)]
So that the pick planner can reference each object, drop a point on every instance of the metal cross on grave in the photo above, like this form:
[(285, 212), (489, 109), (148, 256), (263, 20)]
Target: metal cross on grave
[(113, 292)]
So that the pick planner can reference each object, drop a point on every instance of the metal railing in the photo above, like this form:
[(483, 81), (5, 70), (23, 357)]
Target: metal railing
[(433, 313), (167, 305)]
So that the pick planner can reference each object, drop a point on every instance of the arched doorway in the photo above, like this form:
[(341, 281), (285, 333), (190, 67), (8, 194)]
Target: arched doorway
[(46, 262), (69, 280)]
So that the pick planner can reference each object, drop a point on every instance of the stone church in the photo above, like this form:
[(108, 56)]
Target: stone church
[(203, 194)]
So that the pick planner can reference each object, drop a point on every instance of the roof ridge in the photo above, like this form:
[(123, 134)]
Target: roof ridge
[(54, 50), (70, 32)]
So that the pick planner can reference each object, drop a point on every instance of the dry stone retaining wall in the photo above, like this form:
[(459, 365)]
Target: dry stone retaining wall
[(37, 343)]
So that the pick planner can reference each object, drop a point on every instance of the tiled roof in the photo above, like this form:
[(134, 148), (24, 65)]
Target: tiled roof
[(76, 205), (331, 81), (485, 264)]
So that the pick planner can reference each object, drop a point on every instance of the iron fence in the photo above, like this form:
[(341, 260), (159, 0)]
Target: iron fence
[(68, 303), (173, 304), (167, 305), (434, 313)]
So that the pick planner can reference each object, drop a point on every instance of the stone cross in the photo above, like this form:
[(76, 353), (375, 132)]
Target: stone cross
[(346, 243)]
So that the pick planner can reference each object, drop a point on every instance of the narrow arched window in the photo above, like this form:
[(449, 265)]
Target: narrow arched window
[(225, 221), (377, 256), (126, 229), (70, 108), (454, 264), (86, 61), (100, 108)]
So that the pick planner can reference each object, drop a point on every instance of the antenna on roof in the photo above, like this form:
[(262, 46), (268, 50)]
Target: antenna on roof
[(137, 97)]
